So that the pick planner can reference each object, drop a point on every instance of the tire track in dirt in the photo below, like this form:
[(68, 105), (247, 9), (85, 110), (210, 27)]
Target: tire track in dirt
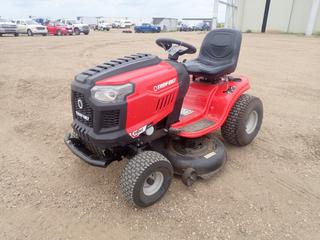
[(279, 179), (295, 187), (88, 52)]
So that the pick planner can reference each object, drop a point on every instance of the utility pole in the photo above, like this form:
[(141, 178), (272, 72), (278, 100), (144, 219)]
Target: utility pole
[(312, 17), (215, 14), (265, 16)]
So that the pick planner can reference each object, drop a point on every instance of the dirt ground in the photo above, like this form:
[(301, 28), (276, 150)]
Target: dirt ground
[(267, 190)]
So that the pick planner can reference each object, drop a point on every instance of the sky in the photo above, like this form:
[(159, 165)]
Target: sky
[(107, 8)]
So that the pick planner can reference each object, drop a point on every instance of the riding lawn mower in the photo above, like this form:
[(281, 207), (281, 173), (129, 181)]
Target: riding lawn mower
[(159, 114)]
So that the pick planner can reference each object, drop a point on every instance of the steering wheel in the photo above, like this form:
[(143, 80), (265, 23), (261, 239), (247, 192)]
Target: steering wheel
[(175, 48)]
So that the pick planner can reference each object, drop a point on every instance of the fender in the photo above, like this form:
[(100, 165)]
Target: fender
[(214, 106)]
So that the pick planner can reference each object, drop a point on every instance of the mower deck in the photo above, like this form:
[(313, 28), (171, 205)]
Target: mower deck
[(204, 155)]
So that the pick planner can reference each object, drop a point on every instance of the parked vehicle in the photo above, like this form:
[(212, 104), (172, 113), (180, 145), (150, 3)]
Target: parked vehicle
[(159, 114), (147, 27), (58, 28), (185, 28), (76, 26), (30, 27), (122, 24), (7, 27), (126, 24), (41, 21), (116, 24), (201, 27), (103, 26)]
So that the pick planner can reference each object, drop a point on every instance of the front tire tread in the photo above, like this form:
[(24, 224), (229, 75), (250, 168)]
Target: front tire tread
[(133, 171)]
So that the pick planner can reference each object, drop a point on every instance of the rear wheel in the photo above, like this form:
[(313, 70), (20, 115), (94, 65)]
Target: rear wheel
[(244, 121), (16, 34), (29, 32), (146, 178)]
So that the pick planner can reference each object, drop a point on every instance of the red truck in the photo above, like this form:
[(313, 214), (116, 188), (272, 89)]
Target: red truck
[(57, 28)]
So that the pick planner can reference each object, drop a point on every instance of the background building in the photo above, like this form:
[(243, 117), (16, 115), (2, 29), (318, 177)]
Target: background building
[(291, 16), (166, 24)]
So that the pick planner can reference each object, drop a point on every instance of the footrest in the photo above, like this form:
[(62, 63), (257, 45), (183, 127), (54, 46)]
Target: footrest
[(194, 127)]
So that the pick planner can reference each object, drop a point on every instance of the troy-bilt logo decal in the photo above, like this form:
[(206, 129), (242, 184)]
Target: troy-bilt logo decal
[(157, 88), (82, 116), (137, 132)]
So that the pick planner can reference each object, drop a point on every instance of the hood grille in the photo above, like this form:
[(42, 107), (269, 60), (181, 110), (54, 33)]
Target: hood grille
[(111, 118), (81, 113)]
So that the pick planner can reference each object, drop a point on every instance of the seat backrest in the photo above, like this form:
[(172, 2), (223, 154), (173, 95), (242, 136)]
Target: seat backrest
[(221, 46)]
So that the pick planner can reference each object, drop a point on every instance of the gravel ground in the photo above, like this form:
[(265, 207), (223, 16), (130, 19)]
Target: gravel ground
[(267, 190)]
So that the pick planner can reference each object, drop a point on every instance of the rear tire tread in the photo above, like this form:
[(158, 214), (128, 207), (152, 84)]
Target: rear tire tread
[(229, 129)]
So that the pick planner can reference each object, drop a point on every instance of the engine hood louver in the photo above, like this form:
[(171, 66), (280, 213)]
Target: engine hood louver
[(117, 66)]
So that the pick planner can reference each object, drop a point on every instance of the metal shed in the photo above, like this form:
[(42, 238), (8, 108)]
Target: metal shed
[(166, 24), (292, 16)]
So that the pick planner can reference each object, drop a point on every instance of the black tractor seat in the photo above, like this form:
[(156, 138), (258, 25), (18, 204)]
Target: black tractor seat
[(218, 54)]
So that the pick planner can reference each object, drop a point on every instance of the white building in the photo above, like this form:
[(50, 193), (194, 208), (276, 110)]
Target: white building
[(291, 16), (166, 24)]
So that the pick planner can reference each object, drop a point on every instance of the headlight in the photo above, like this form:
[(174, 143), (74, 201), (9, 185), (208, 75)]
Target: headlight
[(111, 94)]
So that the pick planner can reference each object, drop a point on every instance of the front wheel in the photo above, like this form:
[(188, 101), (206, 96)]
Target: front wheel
[(244, 121), (146, 178), (76, 31)]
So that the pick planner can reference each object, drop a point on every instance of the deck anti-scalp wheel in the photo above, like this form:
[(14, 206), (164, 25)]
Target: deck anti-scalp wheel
[(189, 177), (146, 178), (244, 121)]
